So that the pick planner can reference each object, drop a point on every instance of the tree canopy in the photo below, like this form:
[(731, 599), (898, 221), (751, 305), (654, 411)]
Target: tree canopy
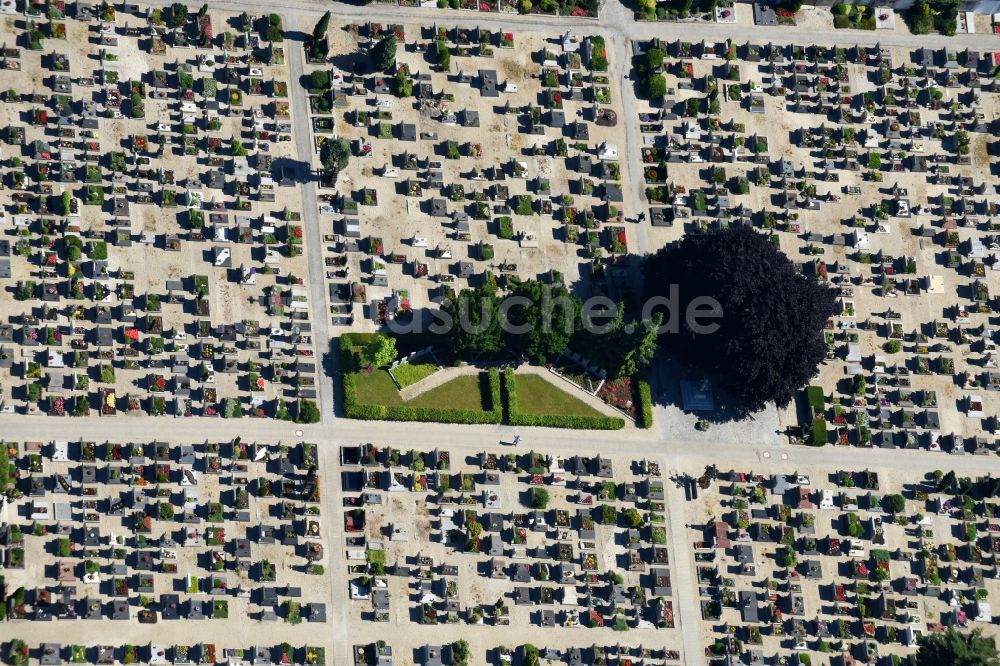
[(478, 308), (894, 503), (539, 326), (648, 66), (655, 86), (381, 351), (334, 155), (316, 44), (308, 412), (443, 55), (319, 79), (549, 328), (273, 31), (384, 54), (622, 349), (403, 84), (460, 652), (178, 14), (956, 649), (544, 322), (319, 31), (768, 337)]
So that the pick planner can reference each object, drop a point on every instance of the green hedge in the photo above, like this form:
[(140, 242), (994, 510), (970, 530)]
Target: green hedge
[(496, 403), (349, 389), (510, 391), (515, 418), (645, 404), (819, 433), (352, 410), (425, 414), (815, 398), (568, 422)]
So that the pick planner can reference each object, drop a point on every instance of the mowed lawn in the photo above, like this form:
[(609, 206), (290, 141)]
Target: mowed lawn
[(408, 374), (464, 392), (538, 396), (376, 388)]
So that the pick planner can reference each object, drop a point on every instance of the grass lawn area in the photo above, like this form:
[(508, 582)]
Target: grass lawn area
[(411, 373), (376, 388), (537, 396), (464, 392)]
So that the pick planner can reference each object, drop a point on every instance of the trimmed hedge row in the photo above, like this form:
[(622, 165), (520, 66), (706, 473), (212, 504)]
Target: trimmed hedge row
[(567, 421), (645, 404), (510, 392), (514, 417), (424, 414)]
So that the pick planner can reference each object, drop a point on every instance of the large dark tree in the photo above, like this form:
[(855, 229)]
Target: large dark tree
[(319, 31), (553, 315), (316, 44), (334, 154), (549, 317), (384, 54), (475, 327), (955, 649), (619, 347), (769, 340)]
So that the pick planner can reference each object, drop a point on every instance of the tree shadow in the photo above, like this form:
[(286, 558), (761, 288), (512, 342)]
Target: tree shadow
[(672, 372), (330, 363), (287, 170)]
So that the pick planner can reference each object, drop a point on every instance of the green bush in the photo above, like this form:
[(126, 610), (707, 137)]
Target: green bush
[(319, 80), (421, 414), (815, 397), (568, 421), (510, 388), (308, 412), (645, 404), (819, 434), (493, 378)]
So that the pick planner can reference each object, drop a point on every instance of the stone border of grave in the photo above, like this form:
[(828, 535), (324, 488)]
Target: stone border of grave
[(584, 365)]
